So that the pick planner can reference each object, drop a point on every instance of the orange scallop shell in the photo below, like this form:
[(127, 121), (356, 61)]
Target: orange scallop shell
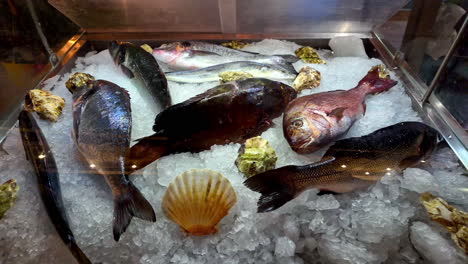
[(197, 200)]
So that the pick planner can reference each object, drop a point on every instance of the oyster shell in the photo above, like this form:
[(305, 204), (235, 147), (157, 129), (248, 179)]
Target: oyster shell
[(255, 156), (309, 55), (47, 105), (307, 78), (234, 44), (197, 200), (8, 192), (229, 76), (454, 220)]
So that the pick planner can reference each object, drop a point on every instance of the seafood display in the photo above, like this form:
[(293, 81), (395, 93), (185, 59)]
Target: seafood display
[(211, 74), (41, 158), (454, 220), (47, 105), (197, 200), (307, 78), (102, 125), (230, 112), (8, 191), (222, 154), (255, 156), (196, 55), (348, 165), (313, 121), (137, 64)]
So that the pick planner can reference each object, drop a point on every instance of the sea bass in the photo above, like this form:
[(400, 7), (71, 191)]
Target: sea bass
[(42, 159), (313, 121), (138, 64), (211, 74), (348, 165), (230, 112), (102, 124), (180, 57)]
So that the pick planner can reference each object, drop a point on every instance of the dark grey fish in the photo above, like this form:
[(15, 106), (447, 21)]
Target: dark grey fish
[(102, 125), (39, 155), (348, 165), (136, 63)]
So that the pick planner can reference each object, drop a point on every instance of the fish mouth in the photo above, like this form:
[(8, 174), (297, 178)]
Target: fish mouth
[(303, 145)]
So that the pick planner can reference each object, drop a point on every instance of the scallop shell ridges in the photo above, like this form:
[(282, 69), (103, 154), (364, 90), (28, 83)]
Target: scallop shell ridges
[(197, 200)]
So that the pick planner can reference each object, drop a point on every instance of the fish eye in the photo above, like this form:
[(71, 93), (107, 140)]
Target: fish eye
[(297, 123)]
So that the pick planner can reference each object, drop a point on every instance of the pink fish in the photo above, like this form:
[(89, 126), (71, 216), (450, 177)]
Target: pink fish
[(313, 121)]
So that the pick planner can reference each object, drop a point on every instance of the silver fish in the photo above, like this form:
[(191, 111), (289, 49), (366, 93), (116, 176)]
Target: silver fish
[(180, 57), (211, 74)]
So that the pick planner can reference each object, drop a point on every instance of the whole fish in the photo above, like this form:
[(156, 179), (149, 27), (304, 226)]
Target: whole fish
[(230, 112), (138, 64), (348, 165), (102, 124), (39, 154), (313, 121), (180, 57), (211, 74), (223, 51)]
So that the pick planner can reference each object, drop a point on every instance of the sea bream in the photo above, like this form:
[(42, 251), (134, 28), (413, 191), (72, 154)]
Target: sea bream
[(311, 122), (349, 164), (138, 64), (211, 74), (102, 124), (183, 56), (230, 112)]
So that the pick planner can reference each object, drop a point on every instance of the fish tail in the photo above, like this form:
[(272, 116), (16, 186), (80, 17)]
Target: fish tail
[(375, 83), (79, 255), (127, 204), (147, 150), (274, 188)]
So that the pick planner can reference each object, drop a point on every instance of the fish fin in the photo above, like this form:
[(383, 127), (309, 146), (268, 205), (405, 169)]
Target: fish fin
[(128, 204), (375, 83), (338, 112), (274, 188), (76, 251), (324, 192), (323, 161), (289, 58), (127, 71), (147, 150)]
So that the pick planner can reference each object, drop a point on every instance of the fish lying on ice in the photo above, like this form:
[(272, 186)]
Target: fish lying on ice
[(180, 57), (312, 121), (102, 124), (211, 74), (224, 51), (40, 156), (138, 64), (230, 112), (348, 165)]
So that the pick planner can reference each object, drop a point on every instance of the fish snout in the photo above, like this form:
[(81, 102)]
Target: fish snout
[(299, 134)]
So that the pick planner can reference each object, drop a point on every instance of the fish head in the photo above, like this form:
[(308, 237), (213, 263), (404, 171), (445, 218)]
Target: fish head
[(304, 132), (119, 53), (169, 52)]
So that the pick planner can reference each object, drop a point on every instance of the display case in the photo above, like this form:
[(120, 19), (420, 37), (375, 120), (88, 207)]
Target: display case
[(423, 44)]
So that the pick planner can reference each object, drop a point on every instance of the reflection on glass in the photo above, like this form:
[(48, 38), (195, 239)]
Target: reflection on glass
[(452, 88), (429, 34)]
